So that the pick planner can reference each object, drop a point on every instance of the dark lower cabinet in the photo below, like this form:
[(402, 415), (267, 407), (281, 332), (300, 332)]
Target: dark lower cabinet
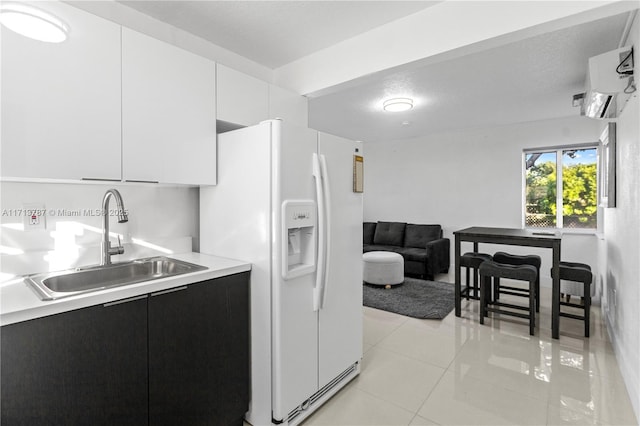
[(179, 357), (198, 357), (85, 367)]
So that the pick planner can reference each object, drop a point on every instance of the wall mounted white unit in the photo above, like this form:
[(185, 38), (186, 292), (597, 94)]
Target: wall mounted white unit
[(61, 101), (168, 113), (306, 320), (607, 79)]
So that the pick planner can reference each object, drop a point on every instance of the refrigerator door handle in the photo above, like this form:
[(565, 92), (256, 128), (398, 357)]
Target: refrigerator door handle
[(327, 225), (320, 270)]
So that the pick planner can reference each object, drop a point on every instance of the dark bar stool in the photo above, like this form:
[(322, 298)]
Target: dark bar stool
[(491, 269), (513, 259), (472, 260), (577, 272)]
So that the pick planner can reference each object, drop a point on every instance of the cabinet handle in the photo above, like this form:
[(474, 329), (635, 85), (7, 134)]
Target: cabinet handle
[(120, 302), (101, 179), (171, 290), (141, 181)]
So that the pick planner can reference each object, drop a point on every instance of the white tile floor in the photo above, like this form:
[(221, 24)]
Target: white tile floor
[(457, 372)]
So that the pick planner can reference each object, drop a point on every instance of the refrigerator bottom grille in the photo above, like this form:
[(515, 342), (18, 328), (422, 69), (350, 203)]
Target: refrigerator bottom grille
[(320, 393)]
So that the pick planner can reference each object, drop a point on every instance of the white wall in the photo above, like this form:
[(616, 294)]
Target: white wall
[(164, 216), (621, 246), (468, 178)]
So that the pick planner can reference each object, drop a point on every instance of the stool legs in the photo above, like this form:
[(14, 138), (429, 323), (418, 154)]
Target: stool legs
[(496, 291), (485, 282), (476, 286), (532, 308), (538, 292), (486, 285), (577, 273), (587, 308)]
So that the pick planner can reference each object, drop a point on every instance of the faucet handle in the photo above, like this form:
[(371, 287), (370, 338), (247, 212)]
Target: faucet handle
[(119, 249)]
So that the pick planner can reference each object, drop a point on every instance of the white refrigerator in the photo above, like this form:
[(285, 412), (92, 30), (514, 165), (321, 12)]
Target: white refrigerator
[(285, 202)]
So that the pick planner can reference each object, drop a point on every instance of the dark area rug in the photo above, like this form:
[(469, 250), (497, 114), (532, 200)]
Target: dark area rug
[(414, 298)]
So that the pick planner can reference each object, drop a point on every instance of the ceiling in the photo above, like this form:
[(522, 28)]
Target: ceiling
[(528, 80), (275, 33)]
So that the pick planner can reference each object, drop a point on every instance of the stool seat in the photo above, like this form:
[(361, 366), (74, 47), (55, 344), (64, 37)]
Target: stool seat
[(492, 269), (514, 272), (515, 259), (383, 268), (572, 271), (473, 259)]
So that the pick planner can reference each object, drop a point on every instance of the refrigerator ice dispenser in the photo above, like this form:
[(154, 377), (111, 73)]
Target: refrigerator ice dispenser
[(299, 238)]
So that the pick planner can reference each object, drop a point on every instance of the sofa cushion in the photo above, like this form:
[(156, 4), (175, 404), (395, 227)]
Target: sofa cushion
[(389, 234), (414, 254), (368, 229), (419, 235), (374, 247)]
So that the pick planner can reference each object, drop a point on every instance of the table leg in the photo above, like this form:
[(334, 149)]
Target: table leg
[(555, 296), (458, 289)]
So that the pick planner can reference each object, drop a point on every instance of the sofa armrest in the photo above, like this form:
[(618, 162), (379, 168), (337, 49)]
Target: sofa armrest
[(438, 256)]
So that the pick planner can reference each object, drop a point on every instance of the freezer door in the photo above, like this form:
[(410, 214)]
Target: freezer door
[(340, 318), (294, 321)]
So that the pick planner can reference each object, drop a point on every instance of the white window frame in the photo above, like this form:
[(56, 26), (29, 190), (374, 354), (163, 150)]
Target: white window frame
[(559, 149)]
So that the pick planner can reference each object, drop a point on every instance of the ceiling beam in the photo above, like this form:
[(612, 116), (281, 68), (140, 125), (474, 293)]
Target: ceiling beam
[(444, 31)]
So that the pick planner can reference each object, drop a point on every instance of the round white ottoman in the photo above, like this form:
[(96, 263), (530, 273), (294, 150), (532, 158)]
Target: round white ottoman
[(383, 267)]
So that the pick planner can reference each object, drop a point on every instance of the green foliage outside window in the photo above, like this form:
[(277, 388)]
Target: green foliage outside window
[(541, 189), (579, 195)]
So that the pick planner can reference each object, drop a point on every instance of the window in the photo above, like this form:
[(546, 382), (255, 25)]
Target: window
[(561, 188)]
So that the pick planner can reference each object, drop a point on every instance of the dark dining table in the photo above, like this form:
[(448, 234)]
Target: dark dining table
[(514, 237)]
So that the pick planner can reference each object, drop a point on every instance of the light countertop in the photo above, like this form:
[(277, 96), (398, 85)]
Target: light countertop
[(18, 302)]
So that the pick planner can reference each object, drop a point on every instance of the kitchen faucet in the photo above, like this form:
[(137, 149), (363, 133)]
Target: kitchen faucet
[(106, 251)]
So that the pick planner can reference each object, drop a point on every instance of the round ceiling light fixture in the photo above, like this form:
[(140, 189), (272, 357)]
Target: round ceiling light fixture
[(397, 104), (32, 22)]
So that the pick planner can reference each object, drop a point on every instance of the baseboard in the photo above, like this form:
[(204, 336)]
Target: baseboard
[(629, 373)]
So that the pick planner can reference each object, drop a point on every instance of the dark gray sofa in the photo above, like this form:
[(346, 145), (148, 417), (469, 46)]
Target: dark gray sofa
[(424, 250)]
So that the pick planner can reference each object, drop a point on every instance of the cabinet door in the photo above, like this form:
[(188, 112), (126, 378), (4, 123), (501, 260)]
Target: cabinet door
[(242, 99), (85, 367), (61, 101), (168, 113), (199, 353)]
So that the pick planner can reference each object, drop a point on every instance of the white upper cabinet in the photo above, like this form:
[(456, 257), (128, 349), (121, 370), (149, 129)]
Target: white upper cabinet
[(168, 113), (242, 99), (61, 101), (288, 105)]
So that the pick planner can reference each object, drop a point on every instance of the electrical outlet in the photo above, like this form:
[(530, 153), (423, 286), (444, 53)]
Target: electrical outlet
[(34, 217)]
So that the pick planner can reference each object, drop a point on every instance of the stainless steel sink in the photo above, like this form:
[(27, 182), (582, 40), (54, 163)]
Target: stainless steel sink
[(55, 285)]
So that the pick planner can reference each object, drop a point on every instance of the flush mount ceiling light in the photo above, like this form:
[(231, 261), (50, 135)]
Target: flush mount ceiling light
[(33, 23), (397, 104)]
